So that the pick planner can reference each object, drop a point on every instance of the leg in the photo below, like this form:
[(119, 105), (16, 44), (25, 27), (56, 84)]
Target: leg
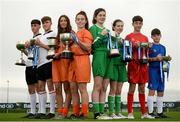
[(67, 98), (52, 95), (111, 97), (130, 98), (59, 97), (118, 97), (96, 93), (75, 98), (141, 89), (103, 95), (160, 102), (150, 100), (32, 93), (42, 96), (84, 98)]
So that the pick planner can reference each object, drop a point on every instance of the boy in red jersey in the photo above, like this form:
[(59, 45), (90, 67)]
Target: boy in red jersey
[(137, 72)]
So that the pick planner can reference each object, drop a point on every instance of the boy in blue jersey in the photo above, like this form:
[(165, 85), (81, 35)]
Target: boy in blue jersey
[(156, 75)]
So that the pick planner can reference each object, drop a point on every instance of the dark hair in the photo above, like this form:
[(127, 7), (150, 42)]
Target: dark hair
[(68, 29), (96, 12), (84, 14), (155, 31), (114, 23), (137, 18), (45, 18), (35, 21)]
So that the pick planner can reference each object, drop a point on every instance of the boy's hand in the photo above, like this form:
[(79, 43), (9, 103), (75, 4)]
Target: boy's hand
[(137, 44), (167, 58), (27, 44), (150, 44), (38, 42), (104, 32), (159, 57)]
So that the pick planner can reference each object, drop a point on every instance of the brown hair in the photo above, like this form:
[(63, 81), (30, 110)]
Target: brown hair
[(84, 14), (114, 23), (96, 12), (137, 18), (68, 29), (45, 18)]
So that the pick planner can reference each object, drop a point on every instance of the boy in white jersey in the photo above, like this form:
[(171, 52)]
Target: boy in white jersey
[(44, 70), (30, 72)]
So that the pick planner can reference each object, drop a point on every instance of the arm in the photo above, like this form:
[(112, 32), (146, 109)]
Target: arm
[(39, 43)]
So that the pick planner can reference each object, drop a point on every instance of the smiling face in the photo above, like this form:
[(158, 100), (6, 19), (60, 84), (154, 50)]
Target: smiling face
[(47, 25), (101, 17), (156, 38), (35, 28), (137, 26), (63, 22), (118, 28), (80, 21)]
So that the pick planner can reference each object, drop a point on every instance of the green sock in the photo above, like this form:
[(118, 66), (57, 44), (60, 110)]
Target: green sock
[(117, 104), (101, 108), (111, 100), (96, 107)]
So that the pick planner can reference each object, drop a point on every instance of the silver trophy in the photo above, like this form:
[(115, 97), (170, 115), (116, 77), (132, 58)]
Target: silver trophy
[(31, 49), (21, 47), (52, 45), (127, 51), (143, 52), (66, 38)]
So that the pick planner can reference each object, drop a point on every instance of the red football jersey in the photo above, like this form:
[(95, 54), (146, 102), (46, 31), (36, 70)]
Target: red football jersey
[(137, 72)]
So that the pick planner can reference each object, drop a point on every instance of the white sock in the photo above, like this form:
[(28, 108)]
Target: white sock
[(52, 99), (39, 105), (33, 103), (43, 99), (150, 101), (159, 104)]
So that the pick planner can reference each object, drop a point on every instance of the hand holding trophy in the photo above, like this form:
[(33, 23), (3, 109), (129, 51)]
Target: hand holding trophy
[(21, 47), (143, 52)]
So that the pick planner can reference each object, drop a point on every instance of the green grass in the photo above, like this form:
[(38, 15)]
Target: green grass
[(173, 116)]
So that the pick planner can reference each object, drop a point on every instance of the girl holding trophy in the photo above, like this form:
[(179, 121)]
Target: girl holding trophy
[(80, 67), (116, 72), (60, 69), (100, 62)]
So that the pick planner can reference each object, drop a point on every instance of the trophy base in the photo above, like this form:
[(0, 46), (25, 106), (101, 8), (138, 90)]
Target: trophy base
[(66, 55), (30, 58), (127, 60), (20, 64), (50, 57), (144, 61), (114, 53)]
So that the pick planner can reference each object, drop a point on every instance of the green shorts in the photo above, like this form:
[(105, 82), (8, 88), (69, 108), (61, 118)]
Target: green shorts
[(99, 63), (116, 72)]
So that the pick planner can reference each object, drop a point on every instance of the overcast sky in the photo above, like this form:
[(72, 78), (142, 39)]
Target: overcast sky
[(15, 17)]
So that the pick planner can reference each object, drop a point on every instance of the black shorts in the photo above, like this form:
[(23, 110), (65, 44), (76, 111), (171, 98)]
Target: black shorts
[(31, 75), (45, 72)]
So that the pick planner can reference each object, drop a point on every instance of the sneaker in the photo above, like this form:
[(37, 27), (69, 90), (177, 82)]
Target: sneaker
[(29, 115), (40, 116), (82, 117), (161, 115), (130, 116), (147, 116), (154, 115), (50, 116), (114, 116), (73, 117), (121, 116), (104, 117), (58, 116)]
